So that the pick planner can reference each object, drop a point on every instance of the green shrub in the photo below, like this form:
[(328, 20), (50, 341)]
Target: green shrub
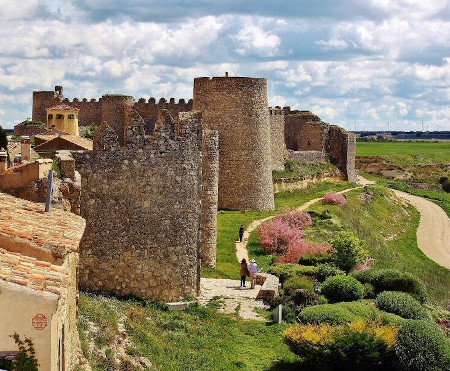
[(328, 270), (286, 271), (402, 304), (356, 346), (327, 313), (422, 346), (393, 280), (315, 259), (369, 291), (340, 313), (347, 251), (296, 283), (342, 288)]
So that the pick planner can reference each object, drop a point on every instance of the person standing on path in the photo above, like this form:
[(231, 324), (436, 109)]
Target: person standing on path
[(241, 233), (253, 269), (244, 272)]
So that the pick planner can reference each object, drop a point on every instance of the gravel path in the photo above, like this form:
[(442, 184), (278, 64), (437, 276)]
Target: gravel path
[(433, 234)]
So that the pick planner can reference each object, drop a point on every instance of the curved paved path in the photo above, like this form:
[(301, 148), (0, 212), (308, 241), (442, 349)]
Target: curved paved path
[(433, 234)]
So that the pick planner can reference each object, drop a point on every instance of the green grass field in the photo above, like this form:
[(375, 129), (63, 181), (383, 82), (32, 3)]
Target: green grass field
[(229, 222), (407, 153)]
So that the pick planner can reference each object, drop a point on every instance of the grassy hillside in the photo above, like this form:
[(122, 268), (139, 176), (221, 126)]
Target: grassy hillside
[(387, 226), (229, 222), (116, 334)]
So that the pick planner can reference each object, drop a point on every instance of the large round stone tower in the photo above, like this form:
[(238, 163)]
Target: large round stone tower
[(238, 108), (116, 111)]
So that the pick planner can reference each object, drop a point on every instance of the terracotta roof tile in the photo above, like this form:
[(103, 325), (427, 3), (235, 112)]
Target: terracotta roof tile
[(40, 276), (25, 228), (63, 107)]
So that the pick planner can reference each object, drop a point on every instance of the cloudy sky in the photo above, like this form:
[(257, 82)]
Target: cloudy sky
[(361, 64)]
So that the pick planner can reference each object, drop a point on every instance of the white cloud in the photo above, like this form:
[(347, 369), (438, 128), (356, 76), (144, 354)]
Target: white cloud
[(254, 40)]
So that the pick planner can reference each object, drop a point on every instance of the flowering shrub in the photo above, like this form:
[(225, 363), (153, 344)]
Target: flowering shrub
[(359, 345), (284, 233), (301, 248), (334, 198), (295, 219), (365, 265), (277, 236)]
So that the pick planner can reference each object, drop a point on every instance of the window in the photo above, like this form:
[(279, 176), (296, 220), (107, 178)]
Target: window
[(71, 117), (50, 116), (59, 116)]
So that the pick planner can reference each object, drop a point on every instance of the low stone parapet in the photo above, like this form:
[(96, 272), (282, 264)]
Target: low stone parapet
[(269, 286)]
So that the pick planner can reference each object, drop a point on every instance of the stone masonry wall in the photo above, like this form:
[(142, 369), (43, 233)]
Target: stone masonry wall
[(277, 145), (210, 180), (90, 110), (341, 148), (142, 205), (293, 127), (237, 107)]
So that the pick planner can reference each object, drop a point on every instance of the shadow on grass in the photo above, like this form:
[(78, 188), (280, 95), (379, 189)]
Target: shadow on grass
[(288, 366)]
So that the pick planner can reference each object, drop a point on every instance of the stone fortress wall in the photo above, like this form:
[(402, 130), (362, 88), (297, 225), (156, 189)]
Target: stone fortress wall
[(305, 131), (237, 108), (142, 201), (91, 110)]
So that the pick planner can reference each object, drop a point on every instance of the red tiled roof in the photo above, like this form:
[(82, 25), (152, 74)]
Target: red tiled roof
[(61, 142), (27, 229), (33, 273)]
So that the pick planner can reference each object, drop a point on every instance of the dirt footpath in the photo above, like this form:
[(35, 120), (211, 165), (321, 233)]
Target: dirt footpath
[(433, 234)]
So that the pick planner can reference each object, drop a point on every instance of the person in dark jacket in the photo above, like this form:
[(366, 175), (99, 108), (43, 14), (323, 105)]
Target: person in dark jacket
[(244, 272), (241, 233)]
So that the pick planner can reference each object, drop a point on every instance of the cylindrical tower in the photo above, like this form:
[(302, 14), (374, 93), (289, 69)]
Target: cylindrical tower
[(238, 108), (116, 111)]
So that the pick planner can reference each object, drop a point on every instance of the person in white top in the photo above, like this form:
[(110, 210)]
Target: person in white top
[(253, 269)]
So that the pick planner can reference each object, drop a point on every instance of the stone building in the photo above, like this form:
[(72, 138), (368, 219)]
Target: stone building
[(142, 198), (63, 118), (38, 286)]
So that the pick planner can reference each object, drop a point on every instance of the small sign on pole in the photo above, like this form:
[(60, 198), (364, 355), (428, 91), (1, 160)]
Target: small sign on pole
[(48, 204), (278, 314)]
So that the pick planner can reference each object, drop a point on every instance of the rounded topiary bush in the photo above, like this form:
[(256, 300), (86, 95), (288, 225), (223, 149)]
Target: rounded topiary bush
[(342, 288), (402, 304), (421, 346), (393, 280), (327, 270), (327, 313), (297, 283)]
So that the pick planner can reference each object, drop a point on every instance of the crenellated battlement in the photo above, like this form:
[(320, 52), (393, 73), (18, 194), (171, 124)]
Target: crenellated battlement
[(90, 109)]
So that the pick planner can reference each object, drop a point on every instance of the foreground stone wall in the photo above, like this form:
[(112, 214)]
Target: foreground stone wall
[(210, 189), (237, 108), (142, 205)]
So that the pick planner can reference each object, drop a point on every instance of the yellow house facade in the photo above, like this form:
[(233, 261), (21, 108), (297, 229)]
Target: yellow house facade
[(63, 118)]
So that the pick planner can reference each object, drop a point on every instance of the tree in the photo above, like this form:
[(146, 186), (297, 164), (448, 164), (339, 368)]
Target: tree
[(347, 251)]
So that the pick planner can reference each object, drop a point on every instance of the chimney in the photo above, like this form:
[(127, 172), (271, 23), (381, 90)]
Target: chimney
[(3, 162), (25, 142)]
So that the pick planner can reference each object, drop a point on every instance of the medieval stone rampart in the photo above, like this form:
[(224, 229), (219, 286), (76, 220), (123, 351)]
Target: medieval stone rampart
[(210, 183), (142, 203), (277, 144), (91, 110), (305, 131), (237, 108)]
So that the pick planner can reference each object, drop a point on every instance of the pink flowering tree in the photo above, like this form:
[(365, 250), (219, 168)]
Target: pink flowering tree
[(334, 198), (300, 249), (276, 236), (295, 219), (365, 265)]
